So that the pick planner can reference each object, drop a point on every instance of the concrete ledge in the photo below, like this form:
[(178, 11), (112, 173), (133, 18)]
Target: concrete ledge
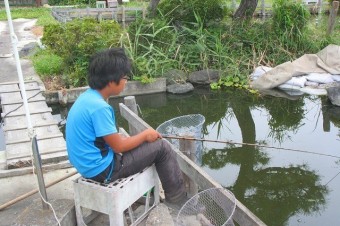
[(29, 169), (35, 215), (132, 88)]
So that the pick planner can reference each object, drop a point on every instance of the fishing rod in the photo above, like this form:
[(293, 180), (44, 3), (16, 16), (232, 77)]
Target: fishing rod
[(249, 144)]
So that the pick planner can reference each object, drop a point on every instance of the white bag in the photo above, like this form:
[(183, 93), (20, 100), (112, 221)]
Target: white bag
[(259, 71), (320, 78)]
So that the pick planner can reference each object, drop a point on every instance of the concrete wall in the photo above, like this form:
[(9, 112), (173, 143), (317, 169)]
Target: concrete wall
[(132, 88)]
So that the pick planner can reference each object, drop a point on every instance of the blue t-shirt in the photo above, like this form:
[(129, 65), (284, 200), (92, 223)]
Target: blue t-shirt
[(89, 120)]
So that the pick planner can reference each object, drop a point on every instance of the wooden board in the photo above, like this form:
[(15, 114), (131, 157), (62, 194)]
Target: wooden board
[(16, 97), (37, 120), (14, 86), (19, 136), (20, 150), (18, 109)]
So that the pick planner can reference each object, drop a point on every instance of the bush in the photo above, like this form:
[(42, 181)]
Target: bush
[(77, 41), (47, 64), (184, 10)]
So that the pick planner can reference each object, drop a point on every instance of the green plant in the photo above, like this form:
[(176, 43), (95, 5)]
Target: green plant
[(47, 64), (150, 44), (77, 41), (184, 10), (290, 22)]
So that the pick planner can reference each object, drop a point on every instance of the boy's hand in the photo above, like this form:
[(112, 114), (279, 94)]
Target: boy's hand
[(151, 135)]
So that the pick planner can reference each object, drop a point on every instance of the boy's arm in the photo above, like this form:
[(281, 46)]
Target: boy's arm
[(121, 144)]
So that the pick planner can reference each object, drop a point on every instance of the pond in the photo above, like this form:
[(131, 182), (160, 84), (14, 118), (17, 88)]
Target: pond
[(292, 178)]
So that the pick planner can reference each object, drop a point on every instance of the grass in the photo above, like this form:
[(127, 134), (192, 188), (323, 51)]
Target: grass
[(43, 15), (47, 64)]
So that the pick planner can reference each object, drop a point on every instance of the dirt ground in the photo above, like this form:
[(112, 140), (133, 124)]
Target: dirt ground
[(38, 31)]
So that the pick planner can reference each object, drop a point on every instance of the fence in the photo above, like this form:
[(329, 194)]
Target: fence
[(264, 8), (120, 14), (19, 2)]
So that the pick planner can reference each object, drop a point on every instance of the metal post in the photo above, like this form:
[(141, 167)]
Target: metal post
[(332, 16), (38, 170), (188, 147), (233, 5), (263, 9), (14, 40), (30, 129), (319, 16)]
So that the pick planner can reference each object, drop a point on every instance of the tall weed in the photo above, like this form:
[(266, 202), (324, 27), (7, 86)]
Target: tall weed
[(184, 10), (290, 20), (151, 45)]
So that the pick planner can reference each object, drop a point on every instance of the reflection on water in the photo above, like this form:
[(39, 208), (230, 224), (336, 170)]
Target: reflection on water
[(281, 187)]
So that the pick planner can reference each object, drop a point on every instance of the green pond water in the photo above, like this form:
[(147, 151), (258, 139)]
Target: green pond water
[(282, 187)]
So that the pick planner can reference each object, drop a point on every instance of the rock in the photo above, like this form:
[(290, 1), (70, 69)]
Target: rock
[(204, 76), (160, 216), (29, 49), (180, 88), (175, 77), (334, 95)]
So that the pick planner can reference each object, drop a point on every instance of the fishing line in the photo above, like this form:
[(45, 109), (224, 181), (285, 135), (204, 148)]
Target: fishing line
[(332, 178), (240, 143)]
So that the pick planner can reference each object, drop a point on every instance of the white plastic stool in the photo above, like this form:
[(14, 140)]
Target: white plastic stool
[(114, 198)]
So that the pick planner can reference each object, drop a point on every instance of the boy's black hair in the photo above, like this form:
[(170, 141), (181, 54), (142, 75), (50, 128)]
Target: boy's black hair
[(107, 66)]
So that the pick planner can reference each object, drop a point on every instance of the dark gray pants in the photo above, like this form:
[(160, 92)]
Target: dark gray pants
[(159, 153)]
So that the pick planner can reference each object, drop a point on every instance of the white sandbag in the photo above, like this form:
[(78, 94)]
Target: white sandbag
[(285, 86), (259, 71), (313, 91), (297, 81), (313, 84), (320, 77), (336, 78), (293, 93)]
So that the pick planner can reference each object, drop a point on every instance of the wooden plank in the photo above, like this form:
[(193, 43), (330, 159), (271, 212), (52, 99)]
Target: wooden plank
[(45, 159), (31, 85), (20, 122), (25, 139), (243, 216), (21, 150), (16, 97), (14, 86), (45, 132), (18, 109), (9, 88)]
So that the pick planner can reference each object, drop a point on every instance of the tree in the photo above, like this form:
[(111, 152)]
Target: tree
[(153, 6), (246, 9)]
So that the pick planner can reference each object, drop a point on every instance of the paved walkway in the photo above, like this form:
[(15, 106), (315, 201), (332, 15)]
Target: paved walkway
[(8, 71)]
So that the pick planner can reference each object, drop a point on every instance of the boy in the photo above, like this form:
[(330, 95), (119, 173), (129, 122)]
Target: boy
[(94, 144)]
